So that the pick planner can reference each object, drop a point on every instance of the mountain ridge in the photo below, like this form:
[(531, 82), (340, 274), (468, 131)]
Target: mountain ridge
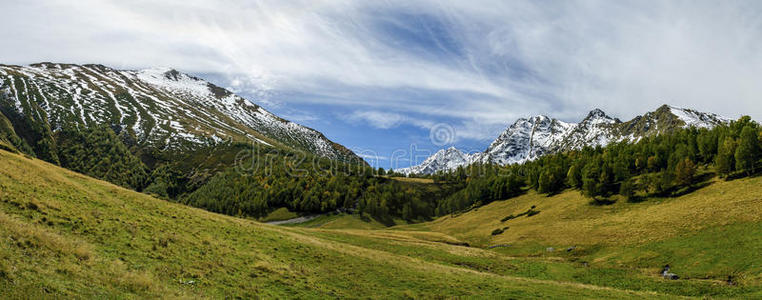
[(529, 138), (159, 107)]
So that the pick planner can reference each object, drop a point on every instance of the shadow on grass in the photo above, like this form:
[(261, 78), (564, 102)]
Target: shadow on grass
[(602, 201), (480, 203), (386, 221), (636, 199), (690, 189), (700, 182), (742, 174)]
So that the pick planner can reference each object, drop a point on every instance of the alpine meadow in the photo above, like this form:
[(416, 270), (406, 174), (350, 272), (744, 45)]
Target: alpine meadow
[(381, 150)]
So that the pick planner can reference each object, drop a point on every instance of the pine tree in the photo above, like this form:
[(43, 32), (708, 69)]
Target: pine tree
[(707, 145), (606, 181), (664, 182), (545, 182), (725, 156), (590, 177), (685, 170), (652, 164), (574, 176), (627, 190), (747, 153)]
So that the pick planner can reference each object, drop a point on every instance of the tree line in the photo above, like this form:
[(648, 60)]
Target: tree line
[(661, 165), (210, 178)]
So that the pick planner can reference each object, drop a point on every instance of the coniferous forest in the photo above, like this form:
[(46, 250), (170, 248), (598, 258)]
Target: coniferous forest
[(212, 177), (664, 165)]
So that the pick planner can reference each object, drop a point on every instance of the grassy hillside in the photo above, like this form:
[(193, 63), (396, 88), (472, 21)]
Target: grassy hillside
[(66, 235), (707, 237)]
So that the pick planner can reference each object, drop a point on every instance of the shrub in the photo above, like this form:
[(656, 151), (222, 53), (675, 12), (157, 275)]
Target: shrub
[(497, 231), (627, 190)]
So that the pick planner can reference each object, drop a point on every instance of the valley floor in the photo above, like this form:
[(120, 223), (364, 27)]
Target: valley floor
[(66, 235)]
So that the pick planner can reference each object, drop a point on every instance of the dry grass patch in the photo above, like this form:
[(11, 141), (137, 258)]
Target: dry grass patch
[(569, 219), (416, 180), (28, 235)]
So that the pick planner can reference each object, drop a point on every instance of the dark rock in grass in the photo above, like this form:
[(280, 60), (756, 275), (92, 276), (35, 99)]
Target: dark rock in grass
[(570, 249), (666, 274), (462, 244)]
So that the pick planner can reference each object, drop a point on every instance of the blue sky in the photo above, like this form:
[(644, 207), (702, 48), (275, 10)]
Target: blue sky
[(377, 76)]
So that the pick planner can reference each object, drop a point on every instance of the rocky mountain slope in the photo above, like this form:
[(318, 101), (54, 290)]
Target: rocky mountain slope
[(158, 108), (445, 159), (528, 139)]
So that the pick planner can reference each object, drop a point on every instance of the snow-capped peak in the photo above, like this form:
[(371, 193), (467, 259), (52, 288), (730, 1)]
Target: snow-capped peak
[(444, 159), (527, 139), (530, 138), (598, 116), (172, 80)]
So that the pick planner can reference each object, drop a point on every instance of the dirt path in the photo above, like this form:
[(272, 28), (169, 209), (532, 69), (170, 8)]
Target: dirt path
[(294, 220)]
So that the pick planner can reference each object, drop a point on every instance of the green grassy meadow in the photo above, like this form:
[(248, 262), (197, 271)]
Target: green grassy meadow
[(65, 235)]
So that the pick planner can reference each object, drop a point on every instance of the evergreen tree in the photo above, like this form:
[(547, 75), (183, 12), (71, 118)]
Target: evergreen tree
[(574, 176), (685, 171), (664, 182), (707, 145), (545, 182), (606, 182), (590, 177), (725, 156), (747, 153), (627, 190)]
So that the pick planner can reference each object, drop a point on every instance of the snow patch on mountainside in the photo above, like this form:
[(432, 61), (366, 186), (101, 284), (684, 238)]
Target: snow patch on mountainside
[(594, 130), (159, 106), (445, 159), (529, 139), (697, 119)]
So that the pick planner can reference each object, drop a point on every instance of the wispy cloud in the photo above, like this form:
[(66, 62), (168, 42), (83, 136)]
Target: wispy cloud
[(373, 157), (387, 120), (382, 120), (479, 64)]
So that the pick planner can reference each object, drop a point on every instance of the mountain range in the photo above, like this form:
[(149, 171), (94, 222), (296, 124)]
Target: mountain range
[(160, 109), (530, 138)]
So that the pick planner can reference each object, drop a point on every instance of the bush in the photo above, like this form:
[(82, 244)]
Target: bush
[(508, 218), (627, 190), (497, 231)]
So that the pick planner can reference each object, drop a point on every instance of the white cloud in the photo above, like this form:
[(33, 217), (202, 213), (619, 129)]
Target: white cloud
[(489, 63), (373, 157), (377, 119), (467, 129), (387, 120)]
